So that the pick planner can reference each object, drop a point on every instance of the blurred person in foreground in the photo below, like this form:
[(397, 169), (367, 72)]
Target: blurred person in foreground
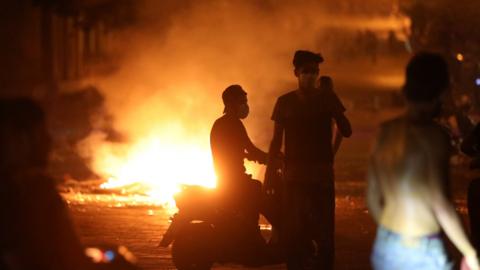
[(35, 228), (230, 145), (408, 178), (304, 116)]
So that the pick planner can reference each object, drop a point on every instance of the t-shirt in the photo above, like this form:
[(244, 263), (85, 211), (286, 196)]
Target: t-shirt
[(308, 125), (228, 142)]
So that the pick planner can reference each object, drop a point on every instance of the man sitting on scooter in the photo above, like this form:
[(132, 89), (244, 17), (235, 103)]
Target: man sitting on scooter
[(230, 145)]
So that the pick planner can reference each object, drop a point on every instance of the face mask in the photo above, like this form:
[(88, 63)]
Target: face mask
[(243, 111), (307, 80)]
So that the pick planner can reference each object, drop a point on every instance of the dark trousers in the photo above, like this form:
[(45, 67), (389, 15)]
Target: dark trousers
[(309, 217)]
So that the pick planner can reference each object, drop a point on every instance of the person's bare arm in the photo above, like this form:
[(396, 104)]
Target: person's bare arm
[(276, 143), (343, 124), (441, 206), (274, 153), (252, 152), (255, 154), (337, 141)]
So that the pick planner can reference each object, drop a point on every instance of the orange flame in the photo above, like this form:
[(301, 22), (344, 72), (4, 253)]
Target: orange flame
[(156, 166)]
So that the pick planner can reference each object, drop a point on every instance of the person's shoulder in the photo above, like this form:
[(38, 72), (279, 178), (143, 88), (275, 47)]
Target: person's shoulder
[(218, 123), (287, 96), (286, 99), (433, 135), (226, 122), (392, 127), (436, 141), (433, 131), (219, 120)]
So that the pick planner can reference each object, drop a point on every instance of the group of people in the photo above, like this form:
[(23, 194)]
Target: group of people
[(408, 176), (407, 180), (304, 119)]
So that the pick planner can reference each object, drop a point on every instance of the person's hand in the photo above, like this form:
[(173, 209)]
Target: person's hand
[(274, 170), (470, 262)]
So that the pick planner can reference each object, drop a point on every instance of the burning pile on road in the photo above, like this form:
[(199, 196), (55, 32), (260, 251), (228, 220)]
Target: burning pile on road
[(149, 171)]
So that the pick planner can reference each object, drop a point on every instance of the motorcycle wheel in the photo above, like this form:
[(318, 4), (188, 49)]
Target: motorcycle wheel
[(191, 249)]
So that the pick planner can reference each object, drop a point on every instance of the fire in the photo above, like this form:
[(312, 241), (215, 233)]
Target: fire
[(155, 166)]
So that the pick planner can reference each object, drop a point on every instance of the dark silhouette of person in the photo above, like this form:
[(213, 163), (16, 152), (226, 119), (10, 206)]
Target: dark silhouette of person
[(408, 178), (35, 228), (230, 145), (326, 85), (304, 116), (471, 147)]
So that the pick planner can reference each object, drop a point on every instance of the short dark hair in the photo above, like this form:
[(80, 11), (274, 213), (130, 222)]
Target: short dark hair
[(302, 57), (426, 77)]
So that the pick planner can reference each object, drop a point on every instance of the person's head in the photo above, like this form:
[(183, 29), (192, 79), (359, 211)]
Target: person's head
[(235, 101), (426, 80), (24, 140), (306, 68), (326, 83)]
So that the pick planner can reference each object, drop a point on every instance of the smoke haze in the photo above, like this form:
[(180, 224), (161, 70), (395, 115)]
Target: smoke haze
[(179, 57)]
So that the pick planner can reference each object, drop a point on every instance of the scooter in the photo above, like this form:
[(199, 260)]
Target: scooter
[(203, 233)]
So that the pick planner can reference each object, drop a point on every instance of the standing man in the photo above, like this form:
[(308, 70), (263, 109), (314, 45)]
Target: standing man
[(305, 117), (230, 145)]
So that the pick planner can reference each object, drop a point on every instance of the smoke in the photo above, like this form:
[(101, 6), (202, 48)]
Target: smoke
[(175, 68), (179, 57)]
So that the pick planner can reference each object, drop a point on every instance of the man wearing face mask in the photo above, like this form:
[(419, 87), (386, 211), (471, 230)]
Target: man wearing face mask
[(304, 116), (230, 145)]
